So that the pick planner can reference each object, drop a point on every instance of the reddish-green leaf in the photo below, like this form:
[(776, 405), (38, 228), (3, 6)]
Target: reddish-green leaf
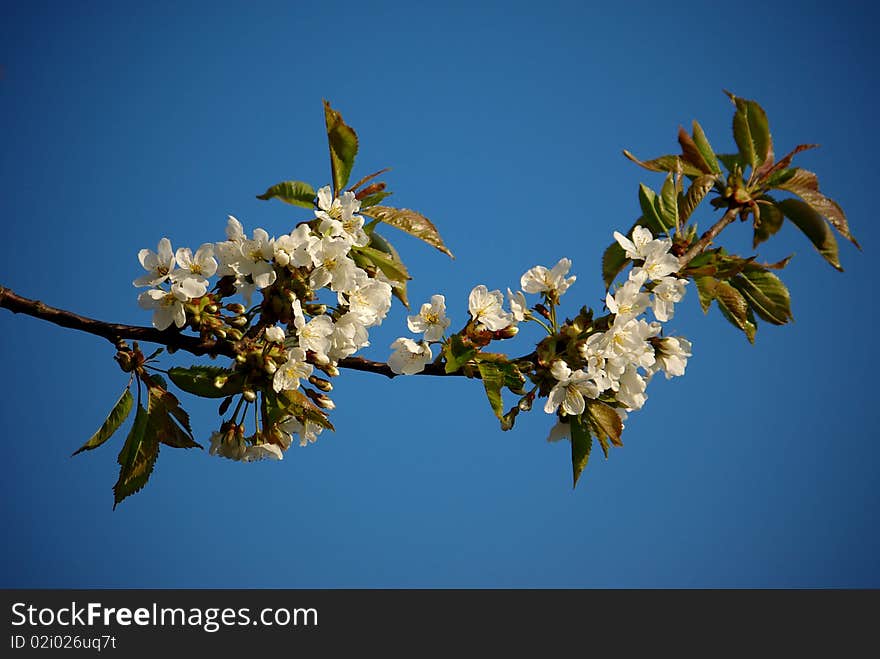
[(766, 294), (705, 148), (770, 222), (296, 193), (605, 421), (734, 307), (111, 424), (343, 143), (668, 163), (136, 459), (805, 185), (808, 220), (581, 445), (691, 153), (493, 380), (697, 191), (411, 222)]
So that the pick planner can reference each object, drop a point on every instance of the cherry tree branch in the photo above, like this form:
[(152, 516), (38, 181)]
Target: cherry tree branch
[(706, 239), (172, 339)]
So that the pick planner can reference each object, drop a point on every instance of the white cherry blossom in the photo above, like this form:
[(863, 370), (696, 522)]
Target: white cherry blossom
[(409, 357), (553, 282), (256, 452), (485, 308), (369, 302), (192, 277), (431, 319), (289, 374), (667, 292), (167, 308), (158, 264), (570, 390), (672, 353)]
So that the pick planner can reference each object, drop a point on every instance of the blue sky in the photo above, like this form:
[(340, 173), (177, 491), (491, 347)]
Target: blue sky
[(504, 123)]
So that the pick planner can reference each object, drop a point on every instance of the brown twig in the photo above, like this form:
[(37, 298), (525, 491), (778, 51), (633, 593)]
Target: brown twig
[(170, 338), (710, 235)]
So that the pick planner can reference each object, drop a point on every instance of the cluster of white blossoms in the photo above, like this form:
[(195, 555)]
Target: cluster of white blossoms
[(486, 309), (320, 258), (622, 360), (183, 283)]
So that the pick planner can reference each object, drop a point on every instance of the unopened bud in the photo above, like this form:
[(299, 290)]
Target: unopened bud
[(221, 333), (541, 309), (321, 383), (220, 381), (508, 332), (249, 395), (211, 308), (525, 403), (270, 367), (240, 358), (320, 399), (238, 321), (314, 309), (236, 308), (330, 369)]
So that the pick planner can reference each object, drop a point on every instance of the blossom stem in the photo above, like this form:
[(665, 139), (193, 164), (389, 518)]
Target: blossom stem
[(544, 325)]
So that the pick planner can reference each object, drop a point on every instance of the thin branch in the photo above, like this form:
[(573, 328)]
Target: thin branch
[(710, 235), (173, 339)]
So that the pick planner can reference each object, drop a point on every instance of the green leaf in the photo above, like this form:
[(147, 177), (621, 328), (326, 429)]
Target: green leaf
[(614, 260), (751, 131), (199, 381), (136, 459), (805, 185), (343, 143), (697, 191), (731, 161), (393, 269), (651, 208), (162, 406), (668, 163), (117, 415), (296, 193), (734, 307), (706, 291), (770, 223), (814, 227), (766, 295), (668, 202), (457, 353), (411, 222), (605, 421), (691, 153), (581, 445), (493, 380), (705, 148), (295, 403)]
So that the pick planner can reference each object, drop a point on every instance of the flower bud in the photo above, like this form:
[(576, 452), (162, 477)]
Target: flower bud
[(270, 367), (320, 399), (220, 381), (541, 309), (238, 321), (249, 395), (508, 332), (321, 383), (221, 333), (525, 403), (211, 308), (314, 309), (236, 308)]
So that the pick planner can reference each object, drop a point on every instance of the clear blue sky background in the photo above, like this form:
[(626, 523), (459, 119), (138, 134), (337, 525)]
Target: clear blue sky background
[(125, 122)]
